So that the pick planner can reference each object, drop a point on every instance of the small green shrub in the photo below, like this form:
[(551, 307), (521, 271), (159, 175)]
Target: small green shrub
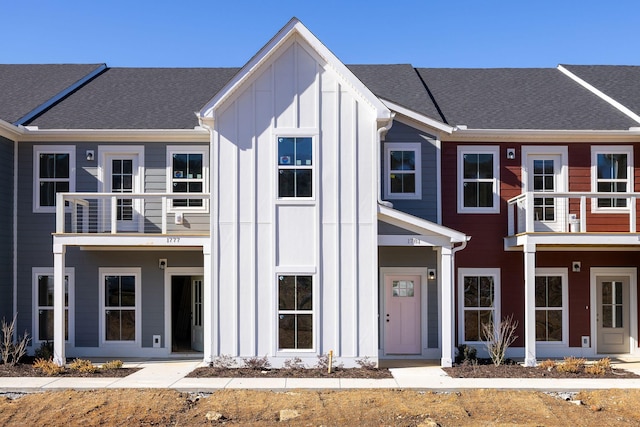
[(83, 365), (48, 367), (112, 364), (45, 351), (466, 354)]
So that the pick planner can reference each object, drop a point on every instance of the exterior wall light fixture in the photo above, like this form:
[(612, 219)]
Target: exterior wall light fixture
[(431, 274), (511, 153)]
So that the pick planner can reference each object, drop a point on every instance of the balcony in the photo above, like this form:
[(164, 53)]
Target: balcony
[(572, 218), (166, 219)]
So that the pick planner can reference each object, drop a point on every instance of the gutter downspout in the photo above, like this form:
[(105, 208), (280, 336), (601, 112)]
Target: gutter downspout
[(381, 131), (15, 235)]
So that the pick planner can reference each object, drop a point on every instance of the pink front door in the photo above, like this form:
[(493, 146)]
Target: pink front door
[(402, 314)]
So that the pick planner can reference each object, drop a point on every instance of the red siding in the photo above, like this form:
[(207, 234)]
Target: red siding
[(487, 231)]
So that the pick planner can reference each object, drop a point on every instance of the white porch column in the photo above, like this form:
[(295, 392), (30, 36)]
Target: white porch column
[(207, 303), (58, 304), (447, 304), (529, 304)]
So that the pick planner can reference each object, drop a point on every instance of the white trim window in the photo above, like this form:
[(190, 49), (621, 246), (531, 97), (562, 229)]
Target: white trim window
[(120, 305), (43, 283), (479, 301), (403, 171), (187, 172), (54, 171), (295, 312), (551, 298), (611, 172), (478, 179), (295, 167)]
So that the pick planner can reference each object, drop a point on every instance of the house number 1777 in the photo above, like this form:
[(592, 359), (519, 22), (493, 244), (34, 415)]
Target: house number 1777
[(173, 239)]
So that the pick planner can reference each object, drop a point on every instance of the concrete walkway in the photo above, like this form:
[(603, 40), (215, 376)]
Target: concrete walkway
[(171, 374)]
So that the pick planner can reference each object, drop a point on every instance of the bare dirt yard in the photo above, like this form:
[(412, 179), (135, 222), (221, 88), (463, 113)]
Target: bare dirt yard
[(325, 408), (320, 408)]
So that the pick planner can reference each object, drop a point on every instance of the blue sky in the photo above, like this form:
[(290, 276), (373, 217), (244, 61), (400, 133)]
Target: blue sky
[(215, 33)]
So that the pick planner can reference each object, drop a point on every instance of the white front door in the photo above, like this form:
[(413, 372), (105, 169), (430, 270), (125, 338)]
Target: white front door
[(612, 315), (197, 332), (544, 175), (121, 170), (402, 316)]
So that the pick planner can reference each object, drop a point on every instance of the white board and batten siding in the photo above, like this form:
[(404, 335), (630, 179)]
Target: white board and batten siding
[(331, 236)]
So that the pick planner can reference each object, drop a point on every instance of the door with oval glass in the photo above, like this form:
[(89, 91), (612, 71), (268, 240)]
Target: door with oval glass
[(402, 315)]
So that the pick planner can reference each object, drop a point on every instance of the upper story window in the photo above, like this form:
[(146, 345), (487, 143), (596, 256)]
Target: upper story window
[(403, 173), (295, 167), (478, 179), (188, 168), (54, 170), (612, 172)]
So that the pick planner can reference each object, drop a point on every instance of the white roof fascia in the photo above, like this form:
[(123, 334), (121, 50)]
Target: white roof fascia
[(418, 225), (427, 121), (294, 26), (9, 131), (600, 94), (542, 135), (106, 135)]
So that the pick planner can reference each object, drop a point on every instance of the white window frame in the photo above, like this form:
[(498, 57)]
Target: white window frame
[(313, 312), (48, 271), (479, 149), (296, 133), (122, 271), (604, 149), (189, 149), (416, 147), (563, 273), (56, 149), (465, 272)]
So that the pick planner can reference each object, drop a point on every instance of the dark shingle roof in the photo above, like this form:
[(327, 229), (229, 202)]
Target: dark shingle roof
[(138, 98), (620, 82), (398, 83), (519, 98), (24, 87)]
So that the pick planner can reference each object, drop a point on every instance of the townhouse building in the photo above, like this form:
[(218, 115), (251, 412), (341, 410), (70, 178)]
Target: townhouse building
[(297, 205)]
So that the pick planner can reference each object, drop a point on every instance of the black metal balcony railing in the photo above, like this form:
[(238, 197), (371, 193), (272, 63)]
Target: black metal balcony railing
[(141, 213)]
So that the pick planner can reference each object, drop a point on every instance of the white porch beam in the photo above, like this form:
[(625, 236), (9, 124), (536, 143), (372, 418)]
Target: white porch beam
[(530, 305), (448, 309), (207, 303), (58, 304)]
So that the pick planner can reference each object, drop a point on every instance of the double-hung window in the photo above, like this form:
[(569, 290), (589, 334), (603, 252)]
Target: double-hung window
[(479, 293), (612, 172), (551, 300), (403, 174), (187, 174), (54, 169), (43, 287), (295, 167), (120, 305), (295, 312), (478, 179)]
